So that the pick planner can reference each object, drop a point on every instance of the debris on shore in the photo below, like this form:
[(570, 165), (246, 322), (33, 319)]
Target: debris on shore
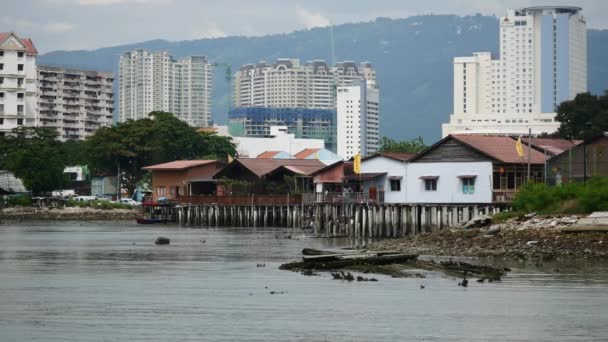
[(529, 237), (161, 240), (68, 213), (391, 263)]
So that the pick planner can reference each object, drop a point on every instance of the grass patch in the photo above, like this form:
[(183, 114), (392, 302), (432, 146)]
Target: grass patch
[(571, 198), (506, 215)]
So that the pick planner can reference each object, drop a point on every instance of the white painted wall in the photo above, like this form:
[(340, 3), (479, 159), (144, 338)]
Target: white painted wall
[(393, 168), (449, 186)]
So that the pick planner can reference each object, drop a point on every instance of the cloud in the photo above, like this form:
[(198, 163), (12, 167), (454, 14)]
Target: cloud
[(212, 30), (311, 19), (112, 2), (58, 27)]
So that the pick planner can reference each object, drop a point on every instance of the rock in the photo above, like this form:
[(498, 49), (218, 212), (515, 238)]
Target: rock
[(587, 251), (530, 215), (493, 230), (478, 221), (161, 240), (531, 243)]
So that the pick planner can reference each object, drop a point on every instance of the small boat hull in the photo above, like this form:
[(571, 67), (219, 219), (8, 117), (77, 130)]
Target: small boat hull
[(142, 220)]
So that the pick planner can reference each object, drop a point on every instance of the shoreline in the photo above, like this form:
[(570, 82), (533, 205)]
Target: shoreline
[(533, 238), (13, 214)]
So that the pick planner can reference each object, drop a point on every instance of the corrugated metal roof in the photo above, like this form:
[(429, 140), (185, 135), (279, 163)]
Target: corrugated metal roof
[(30, 49), (305, 153), (392, 155), (260, 167), (178, 165), (501, 148)]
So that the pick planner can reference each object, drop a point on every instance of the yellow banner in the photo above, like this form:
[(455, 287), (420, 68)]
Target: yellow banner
[(357, 164), (519, 147)]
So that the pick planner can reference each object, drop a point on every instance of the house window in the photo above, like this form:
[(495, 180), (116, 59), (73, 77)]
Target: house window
[(160, 191), (19, 122), (20, 53), (395, 184), (1, 66), (430, 184), (468, 185), (19, 67), (1, 121)]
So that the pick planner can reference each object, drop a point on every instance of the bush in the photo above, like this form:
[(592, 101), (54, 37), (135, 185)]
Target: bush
[(506, 215), (19, 201), (571, 198)]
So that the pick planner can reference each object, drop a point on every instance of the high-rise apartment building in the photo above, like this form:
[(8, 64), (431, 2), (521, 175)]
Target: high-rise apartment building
[(543, 61), (155, 81), (17, 82), (287, 83), (358, 114), (74, 102)]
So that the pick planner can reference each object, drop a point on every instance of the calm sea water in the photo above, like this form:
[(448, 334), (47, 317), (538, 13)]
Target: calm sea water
[(109, 282)]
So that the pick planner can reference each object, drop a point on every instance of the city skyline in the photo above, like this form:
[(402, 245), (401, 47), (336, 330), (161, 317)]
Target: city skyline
[(90, 24)]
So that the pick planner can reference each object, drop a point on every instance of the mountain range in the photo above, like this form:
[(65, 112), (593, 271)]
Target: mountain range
[(412, 57)]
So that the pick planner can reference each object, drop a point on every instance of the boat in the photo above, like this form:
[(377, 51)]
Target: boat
[(142, 220)]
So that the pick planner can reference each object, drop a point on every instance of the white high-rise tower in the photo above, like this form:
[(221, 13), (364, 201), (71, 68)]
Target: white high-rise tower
[(543, 61), (156, 82)]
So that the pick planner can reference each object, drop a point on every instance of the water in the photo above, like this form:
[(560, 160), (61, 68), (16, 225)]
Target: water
[(109, 282)]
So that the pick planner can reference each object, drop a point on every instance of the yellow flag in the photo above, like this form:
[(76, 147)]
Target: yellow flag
[(519, 147), (357, 164), (317, 155), (230, 159)]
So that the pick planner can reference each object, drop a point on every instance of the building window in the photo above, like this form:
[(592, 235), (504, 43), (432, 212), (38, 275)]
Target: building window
[(19, 109), (19, 67), (160, 191), (1, 80), (395, 184), (430, 184), (468, 185), (19, 82), (19, 122), (20, 96), (1, 53), (1, 66), (1, 95), (20, 53), (1, 121), (1, 108)]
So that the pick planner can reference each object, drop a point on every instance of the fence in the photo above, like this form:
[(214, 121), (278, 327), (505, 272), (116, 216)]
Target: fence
[(343, 197)]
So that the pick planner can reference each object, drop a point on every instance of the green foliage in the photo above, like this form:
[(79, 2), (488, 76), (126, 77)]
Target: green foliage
[(74, 152), (583, 117), (506, 215), (160, 138), (97, 204), (571, 198), (19, 201), (34, 155), (405, 146)]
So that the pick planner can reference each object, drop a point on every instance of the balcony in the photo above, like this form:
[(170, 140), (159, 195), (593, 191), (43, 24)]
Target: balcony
[(503, 196)]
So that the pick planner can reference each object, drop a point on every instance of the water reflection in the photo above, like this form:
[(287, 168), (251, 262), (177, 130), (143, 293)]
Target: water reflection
[(100, 281)]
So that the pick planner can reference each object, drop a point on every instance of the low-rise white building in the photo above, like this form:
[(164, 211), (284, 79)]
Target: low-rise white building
[(391, 170), (278, 140)]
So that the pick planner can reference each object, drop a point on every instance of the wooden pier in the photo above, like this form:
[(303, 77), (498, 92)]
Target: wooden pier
[(356, 220)]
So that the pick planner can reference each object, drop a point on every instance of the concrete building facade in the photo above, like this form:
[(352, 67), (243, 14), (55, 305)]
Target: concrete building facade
[(74, 102), (288, 83), (358, 119), (543, 62), (155, 81), (17, 82)]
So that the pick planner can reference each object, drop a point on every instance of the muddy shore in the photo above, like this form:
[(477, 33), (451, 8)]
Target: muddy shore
[(536, 237), (69, 213)]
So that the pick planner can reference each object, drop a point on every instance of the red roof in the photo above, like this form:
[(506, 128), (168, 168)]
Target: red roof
[(268, 154), (392, 155), (552, 146), (500, 148), (177, 165), (307, 152), (261, 167), (30, 49)]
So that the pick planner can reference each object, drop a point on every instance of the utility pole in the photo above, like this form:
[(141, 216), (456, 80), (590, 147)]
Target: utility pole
[(529, 151)]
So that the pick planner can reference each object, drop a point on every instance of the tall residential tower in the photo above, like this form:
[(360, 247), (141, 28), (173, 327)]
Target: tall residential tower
[(155, 81), (543, 61), (17, 82)]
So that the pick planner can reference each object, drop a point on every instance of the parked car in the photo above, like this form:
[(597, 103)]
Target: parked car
[(128, 201)]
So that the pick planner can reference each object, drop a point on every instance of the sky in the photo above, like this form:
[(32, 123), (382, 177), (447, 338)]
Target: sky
[(92, 24)]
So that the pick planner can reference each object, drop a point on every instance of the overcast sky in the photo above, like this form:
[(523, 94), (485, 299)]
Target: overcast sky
[(90, 24)]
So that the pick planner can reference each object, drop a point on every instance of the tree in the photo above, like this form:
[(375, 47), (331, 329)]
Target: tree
[(34, 155), (160, 138), (583, 117), (74, 152), (391, 145)]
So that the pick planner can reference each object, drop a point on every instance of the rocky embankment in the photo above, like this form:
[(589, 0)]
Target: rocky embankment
[(531, 237), (68, 213)]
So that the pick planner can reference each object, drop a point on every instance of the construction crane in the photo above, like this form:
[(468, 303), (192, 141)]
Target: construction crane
[(228, 77)]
